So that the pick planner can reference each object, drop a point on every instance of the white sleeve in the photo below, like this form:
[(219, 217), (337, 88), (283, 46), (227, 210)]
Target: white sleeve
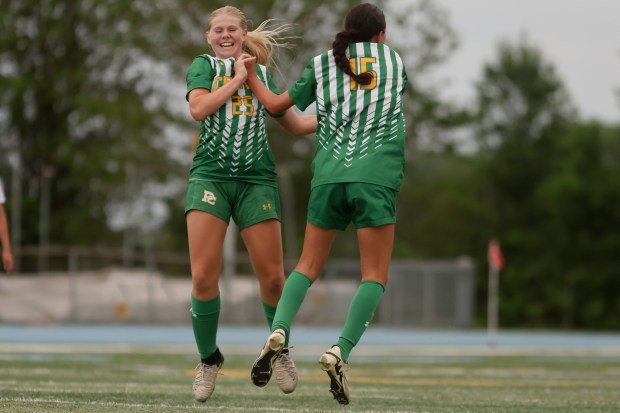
[(2, 196)]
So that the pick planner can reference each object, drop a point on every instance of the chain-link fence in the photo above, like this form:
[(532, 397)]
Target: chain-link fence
[(419, 293)]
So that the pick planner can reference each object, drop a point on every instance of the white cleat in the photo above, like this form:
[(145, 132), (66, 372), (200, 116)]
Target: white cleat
[(204, 383), (286, 372)]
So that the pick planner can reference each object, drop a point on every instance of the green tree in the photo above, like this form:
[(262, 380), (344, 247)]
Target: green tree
[(541, 181), (444, 199), (82, 108), (579, 199), (541, 174)]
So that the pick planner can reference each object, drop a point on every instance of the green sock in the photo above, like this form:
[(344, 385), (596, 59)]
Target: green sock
[(205, 316), (270, 313), (360, 314), (293, 295)]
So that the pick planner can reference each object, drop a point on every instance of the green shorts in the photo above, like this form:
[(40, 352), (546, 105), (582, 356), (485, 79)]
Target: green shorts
[(246, 203), (333, 206)]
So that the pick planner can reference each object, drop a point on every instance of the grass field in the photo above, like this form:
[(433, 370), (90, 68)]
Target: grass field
[(86, 379)]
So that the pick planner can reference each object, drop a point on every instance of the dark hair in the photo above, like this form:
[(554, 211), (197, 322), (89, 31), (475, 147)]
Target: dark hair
[(360, 25)]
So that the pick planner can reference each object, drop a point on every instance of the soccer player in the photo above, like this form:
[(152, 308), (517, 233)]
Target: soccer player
[(357, 170), (233, 175), (5, 241)]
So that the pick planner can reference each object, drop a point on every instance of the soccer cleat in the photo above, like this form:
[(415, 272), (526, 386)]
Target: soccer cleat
[(331, 362), (204, 383), (286, 372), (263, 365)]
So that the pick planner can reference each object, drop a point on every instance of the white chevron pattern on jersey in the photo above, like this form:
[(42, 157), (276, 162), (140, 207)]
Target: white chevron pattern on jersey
[(234, 140), (343, 120)]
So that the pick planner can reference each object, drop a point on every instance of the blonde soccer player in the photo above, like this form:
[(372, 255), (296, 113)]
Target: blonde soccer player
[(233, 176)]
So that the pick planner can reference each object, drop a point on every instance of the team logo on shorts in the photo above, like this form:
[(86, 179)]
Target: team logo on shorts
[(209, 198)]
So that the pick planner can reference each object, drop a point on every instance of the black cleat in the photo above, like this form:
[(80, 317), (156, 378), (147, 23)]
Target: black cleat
[(331, 362), (263, 365)]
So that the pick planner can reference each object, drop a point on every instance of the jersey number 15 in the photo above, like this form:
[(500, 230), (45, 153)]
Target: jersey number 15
[(363, 65)]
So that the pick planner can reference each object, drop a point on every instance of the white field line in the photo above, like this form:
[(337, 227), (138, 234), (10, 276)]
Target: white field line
[(212, 407)]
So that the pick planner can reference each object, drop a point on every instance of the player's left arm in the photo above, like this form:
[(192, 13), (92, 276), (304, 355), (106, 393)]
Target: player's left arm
[(273, 102)]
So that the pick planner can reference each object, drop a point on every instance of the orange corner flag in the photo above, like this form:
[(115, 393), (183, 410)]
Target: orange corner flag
[(494, 255)]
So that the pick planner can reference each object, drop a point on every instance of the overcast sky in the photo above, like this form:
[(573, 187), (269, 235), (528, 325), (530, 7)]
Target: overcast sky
[(581, 38)]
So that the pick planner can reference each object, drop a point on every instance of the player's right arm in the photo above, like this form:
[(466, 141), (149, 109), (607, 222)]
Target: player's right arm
[(204, 102)]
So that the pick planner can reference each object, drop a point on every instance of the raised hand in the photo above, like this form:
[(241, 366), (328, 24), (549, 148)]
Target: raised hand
[(241, 72), (249, 62)]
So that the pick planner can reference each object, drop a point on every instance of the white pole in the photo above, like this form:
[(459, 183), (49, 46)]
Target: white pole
[(492, 306), (47, 174), (73, 267)]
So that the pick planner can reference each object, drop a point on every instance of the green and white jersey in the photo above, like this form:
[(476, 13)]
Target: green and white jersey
[(361, 128), (233, 142)]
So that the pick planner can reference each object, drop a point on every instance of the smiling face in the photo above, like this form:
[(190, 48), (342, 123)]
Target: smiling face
[(226, 36)]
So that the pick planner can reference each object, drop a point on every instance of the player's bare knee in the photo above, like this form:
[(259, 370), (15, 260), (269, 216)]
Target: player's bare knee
[(204, 284), (272, 281)]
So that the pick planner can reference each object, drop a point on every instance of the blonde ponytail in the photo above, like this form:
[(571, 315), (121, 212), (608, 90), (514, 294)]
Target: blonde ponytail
[(262, 41)]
